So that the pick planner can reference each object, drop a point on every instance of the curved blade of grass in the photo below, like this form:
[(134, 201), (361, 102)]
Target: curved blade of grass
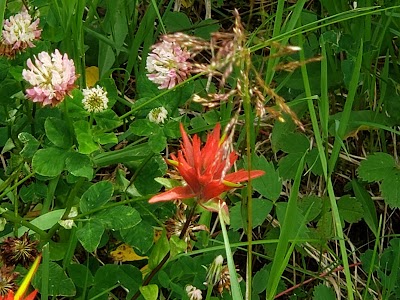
[(235, 288), (287, 228)]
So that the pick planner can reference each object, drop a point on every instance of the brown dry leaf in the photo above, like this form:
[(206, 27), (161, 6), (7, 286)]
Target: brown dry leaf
[(125, 252)]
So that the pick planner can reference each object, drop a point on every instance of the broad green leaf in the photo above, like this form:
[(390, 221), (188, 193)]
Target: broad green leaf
[(295, 143), (143, 127), (322, 292), (33, 192), (107, 120), (104, 138), (157, 142), (4, 67), (261, 209), (160, 249), (310, 205), (79, 165), (177, 245), (145, 182), (377, 167), (119, 217), (140, 237), (45, 221), (205, 27), (80, 275), (131, 278), (106, 58), (350, 209), (90, 234), (176, 21), (314, 162), (49, 161), (325, 226), (8, 87), (31, 144), (270, 184), (58, 133), (390, 188), (112, 92), (59, 284), (149, 292), (368, 205), (288, 165), (96, 196), (260, 279), (84, 136)]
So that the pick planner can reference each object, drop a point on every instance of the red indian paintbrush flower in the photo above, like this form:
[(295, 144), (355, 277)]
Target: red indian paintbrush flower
[(204, 169)]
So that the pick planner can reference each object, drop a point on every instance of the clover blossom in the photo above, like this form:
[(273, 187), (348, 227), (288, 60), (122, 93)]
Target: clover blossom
[(194, 293), (95, 99), (19, 31), (158, 115), (167, 64), (52, 77)]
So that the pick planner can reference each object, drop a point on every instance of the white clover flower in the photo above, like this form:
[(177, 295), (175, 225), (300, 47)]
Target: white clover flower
[(19, 31), (95, 99), (167, 64), (52, 77), (158, 115), (68, 223), (194, 293)]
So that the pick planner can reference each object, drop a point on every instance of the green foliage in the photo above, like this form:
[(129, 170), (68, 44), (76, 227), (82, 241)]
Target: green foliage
[(382, 167), (79, 182), (322, 292)]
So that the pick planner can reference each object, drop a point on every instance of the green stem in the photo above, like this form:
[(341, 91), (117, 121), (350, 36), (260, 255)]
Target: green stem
[(50, 194), (16, 219), (209, 291), (70, 202)]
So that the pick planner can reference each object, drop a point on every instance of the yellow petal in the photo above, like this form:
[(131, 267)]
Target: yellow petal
[(27, 280), (92, 76), (125, 252)]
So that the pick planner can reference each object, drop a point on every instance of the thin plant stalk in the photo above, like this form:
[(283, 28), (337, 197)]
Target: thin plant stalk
[(235, 288)]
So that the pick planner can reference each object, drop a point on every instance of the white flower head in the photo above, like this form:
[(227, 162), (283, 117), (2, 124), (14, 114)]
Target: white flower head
[(19, 31), (158, 115), (95, 99), (167, 64), (194, 293)]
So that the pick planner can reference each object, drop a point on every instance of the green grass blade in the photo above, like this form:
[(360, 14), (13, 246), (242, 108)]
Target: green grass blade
[(287, 229), (44, 289), (235, 288)]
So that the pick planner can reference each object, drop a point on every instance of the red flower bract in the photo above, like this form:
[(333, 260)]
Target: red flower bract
[(204, 169)]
